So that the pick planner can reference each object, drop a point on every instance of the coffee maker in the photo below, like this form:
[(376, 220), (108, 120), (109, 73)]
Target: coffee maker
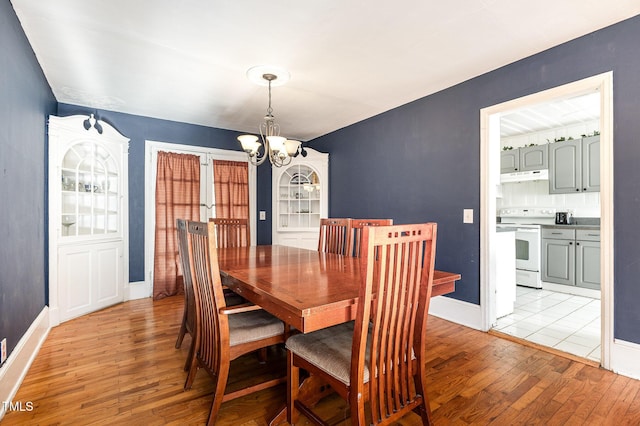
[(563, 218)]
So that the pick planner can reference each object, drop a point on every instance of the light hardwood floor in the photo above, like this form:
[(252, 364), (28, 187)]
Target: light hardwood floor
[(119, 366)]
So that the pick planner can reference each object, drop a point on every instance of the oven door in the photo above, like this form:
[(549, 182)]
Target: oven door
[(528, 249)]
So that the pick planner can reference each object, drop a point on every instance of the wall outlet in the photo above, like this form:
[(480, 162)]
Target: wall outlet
[(3, 350), (467, 216), (263, 215)]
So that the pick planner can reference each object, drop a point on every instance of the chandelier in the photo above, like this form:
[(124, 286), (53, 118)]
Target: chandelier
[(278, 149)]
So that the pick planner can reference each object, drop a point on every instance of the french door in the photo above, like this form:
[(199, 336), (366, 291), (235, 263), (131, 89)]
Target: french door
[(207, 196)]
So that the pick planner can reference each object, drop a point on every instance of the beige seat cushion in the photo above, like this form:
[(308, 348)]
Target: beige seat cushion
[(329, 349), (251, 326)]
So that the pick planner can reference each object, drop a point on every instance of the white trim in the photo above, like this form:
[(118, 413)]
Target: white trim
[(136, 290), (624, 358), (17, 364), (489, 164), (458, 311), (151, 151)]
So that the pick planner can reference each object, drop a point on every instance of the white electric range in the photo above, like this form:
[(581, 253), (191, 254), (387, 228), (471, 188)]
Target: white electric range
[(527, 223)]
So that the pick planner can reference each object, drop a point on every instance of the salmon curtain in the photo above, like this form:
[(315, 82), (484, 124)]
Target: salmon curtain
[(231, 185), (177, 197)]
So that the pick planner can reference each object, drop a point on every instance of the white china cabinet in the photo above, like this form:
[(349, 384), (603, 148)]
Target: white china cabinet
[(88, 249), (300, 199)]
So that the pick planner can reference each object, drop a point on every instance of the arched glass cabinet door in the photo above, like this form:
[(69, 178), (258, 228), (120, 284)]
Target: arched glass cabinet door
[(299, 194), (90, 198)]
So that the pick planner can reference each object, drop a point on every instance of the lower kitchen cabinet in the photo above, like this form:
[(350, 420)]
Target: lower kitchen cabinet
[(558, 256), (588, 259), (571, 257)]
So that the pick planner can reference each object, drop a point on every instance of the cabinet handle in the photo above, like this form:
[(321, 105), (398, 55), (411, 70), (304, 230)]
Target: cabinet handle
[(577, 243), (584, 189), (570, 243), (578, 189)]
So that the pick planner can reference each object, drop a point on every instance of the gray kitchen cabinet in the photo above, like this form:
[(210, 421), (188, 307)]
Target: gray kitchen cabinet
[(509, 161), (558, 256), (524, 159), (588, 258), (574, 166), (591, 164), (565, 167), (571, 257), (534, 157)]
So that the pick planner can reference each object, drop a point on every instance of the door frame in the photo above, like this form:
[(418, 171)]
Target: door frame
[(207, 155), (490, 179)]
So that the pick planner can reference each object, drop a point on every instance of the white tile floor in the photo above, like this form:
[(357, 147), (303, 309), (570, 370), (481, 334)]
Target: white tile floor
[(562, 321)]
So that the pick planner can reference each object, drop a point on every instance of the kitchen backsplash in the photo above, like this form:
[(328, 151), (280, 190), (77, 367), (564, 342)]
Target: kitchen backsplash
[(536, 194)]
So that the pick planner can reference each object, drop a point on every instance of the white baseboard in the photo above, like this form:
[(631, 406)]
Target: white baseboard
[(137, 290), (15, 368), (464, 313), (624, 358)]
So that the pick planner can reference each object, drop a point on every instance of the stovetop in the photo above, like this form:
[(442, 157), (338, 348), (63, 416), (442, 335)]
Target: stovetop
[(527, 216)]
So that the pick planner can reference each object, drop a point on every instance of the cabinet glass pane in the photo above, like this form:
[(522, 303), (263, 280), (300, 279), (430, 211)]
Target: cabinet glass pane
[(89, 191), (299, 198)]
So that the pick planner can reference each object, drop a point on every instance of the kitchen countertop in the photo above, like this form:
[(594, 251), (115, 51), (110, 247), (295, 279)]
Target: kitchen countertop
[(573, 226)]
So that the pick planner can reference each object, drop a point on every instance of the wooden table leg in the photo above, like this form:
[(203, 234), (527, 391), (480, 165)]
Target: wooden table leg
[(312, 390)]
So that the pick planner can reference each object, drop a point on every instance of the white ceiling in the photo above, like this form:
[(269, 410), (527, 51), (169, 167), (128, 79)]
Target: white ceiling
[(349, 60)]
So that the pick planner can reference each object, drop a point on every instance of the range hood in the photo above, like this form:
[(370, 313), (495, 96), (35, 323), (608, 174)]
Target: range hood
[(527, 176)]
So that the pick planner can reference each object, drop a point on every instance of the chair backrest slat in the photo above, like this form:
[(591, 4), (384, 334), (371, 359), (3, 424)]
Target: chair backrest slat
[(232, 232), (335, 236), (356, 232), (396, 269)]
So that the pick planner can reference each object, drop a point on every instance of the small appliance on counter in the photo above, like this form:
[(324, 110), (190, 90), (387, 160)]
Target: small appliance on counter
[(563, 218)]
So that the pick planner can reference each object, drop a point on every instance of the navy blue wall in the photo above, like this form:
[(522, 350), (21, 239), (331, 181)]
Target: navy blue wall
[(414, 163), (421, 161), (139, 129), (25, 101)]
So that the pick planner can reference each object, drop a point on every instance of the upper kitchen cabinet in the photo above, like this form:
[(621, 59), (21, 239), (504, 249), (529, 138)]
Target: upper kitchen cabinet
[(574, 166), (591, 164), (524, 159), (509, 161), (534, 157)]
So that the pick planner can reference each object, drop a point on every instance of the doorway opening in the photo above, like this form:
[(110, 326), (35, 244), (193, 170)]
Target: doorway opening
[(599, 86)]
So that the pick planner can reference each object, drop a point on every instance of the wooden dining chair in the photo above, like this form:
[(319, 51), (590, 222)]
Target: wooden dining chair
[(232, 232), (188, 324), (356, 232), (334, 236), (223, 333), (379, 357)]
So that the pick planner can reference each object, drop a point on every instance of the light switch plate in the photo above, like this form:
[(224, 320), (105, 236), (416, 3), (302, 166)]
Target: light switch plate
[(263, 215), (467, 216)]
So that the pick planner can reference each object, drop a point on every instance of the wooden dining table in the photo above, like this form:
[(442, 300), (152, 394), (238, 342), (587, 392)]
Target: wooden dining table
[(306, 289)]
